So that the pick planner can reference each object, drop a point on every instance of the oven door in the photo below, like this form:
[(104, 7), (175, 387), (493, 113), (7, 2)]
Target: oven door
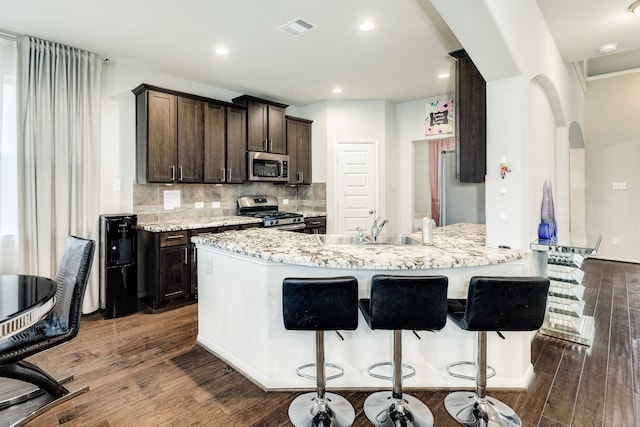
[(290, 227)]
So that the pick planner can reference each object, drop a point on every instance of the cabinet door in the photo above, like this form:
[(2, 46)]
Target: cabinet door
[(161, 137), (214, 144), (174, 272), (303, 154), (299, 150), (190, 140), (293, 131), (277, 131), (471, 119), (257, 126), (236, 145)]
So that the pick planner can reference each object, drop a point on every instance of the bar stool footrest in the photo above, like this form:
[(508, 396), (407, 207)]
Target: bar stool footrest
[(339, 374), (411, 369), (490, 371)]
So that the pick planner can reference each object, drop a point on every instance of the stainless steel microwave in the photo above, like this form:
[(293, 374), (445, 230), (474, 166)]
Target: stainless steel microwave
[(267, 167)]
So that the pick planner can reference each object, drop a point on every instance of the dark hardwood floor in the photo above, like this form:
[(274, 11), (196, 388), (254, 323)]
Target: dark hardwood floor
[(146, 370)]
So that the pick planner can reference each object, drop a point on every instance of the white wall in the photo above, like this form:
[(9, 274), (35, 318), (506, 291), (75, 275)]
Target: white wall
[(513, 49), (118, 152), (612, 141), (410, 127)]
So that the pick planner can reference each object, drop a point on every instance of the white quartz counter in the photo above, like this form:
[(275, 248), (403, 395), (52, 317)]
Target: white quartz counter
[(458, 245)]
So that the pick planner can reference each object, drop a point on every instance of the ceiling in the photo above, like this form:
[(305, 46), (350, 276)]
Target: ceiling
[(397, 61)]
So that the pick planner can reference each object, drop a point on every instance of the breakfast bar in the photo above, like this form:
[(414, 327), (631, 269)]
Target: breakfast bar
[(240, 277)]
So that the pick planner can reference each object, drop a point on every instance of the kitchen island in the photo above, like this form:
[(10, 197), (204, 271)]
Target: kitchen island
[(240, 307)]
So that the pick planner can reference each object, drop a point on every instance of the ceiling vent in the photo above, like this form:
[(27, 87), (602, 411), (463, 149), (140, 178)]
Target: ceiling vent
[(297, 27)]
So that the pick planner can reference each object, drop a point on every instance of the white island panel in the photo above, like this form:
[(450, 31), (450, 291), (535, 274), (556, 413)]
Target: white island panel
[(240, 318)]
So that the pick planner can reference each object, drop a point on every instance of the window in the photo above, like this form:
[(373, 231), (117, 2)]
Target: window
[(8, 156)]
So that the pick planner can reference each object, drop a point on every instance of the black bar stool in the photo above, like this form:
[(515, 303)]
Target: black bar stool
[(320, 304), (494, 304), (402, 303)]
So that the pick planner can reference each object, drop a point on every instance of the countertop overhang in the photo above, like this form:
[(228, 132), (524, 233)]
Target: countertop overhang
[(457, 245)]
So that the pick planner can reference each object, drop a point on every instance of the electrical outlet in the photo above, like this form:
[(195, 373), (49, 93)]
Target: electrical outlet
[(215, 205), (199, 205), (616, 242), (285, 201), (619, 186)]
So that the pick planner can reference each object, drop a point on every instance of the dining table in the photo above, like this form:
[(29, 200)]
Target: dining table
[(24, 300)]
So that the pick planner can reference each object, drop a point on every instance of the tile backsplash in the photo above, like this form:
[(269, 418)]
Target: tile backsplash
[(219, 200)]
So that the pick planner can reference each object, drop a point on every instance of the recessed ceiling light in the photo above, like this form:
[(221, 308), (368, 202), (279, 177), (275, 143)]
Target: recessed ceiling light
[(443, 76), (608, 48), (367, 26), (337, 90), (222, 51), (635, 8)]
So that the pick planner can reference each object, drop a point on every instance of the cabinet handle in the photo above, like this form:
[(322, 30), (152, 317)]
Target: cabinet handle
[(175, 236), (180, 169), (316, 222), (186, 256), (265, 144), (301, 177), (173, 172), (224, 174), (229, 174), (194, 258), (270, 145)]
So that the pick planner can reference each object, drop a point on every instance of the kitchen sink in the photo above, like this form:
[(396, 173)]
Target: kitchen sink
[(394, 239), (337, 239), (349, 239)]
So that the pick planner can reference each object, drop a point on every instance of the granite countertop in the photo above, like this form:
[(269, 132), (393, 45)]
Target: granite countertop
[(458, 245), (218, 221)]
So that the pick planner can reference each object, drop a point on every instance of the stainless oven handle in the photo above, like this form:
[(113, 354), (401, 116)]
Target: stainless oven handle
[(290, 227)]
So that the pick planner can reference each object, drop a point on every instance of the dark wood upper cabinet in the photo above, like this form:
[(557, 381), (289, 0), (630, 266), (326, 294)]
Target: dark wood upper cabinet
[(299, 150), (471, 120), (190, 143), (187, 138), (225, 144), (266, 127), (156, 128), (236, 144)]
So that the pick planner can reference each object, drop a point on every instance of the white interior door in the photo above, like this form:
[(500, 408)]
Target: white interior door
[(356, 190)]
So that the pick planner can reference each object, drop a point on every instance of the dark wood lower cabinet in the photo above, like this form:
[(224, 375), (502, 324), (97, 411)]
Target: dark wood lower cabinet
[(168, 266), (315, 225), (163, 268)]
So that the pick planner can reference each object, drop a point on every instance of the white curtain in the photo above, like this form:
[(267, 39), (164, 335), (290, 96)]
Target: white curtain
[(59, 98), (8, 157)]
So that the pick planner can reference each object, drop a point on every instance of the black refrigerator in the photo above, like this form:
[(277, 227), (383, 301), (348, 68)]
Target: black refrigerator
[(118, 273)]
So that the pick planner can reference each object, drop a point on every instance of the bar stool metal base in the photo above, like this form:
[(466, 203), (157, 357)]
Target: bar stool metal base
[(334, 410), (385, 411), (470, 411)]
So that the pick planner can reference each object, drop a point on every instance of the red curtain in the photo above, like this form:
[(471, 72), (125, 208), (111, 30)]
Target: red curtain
[(435, 147)]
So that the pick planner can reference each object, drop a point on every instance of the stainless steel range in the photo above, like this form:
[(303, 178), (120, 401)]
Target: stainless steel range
[(266, 208)]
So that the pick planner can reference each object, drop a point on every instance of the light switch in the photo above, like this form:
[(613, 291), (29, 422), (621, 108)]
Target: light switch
[(115, 185)]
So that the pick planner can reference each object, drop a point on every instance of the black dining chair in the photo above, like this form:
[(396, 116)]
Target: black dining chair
[(60, 325)]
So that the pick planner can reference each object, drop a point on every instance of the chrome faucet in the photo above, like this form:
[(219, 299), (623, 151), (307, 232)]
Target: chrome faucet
[(376, 228)]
